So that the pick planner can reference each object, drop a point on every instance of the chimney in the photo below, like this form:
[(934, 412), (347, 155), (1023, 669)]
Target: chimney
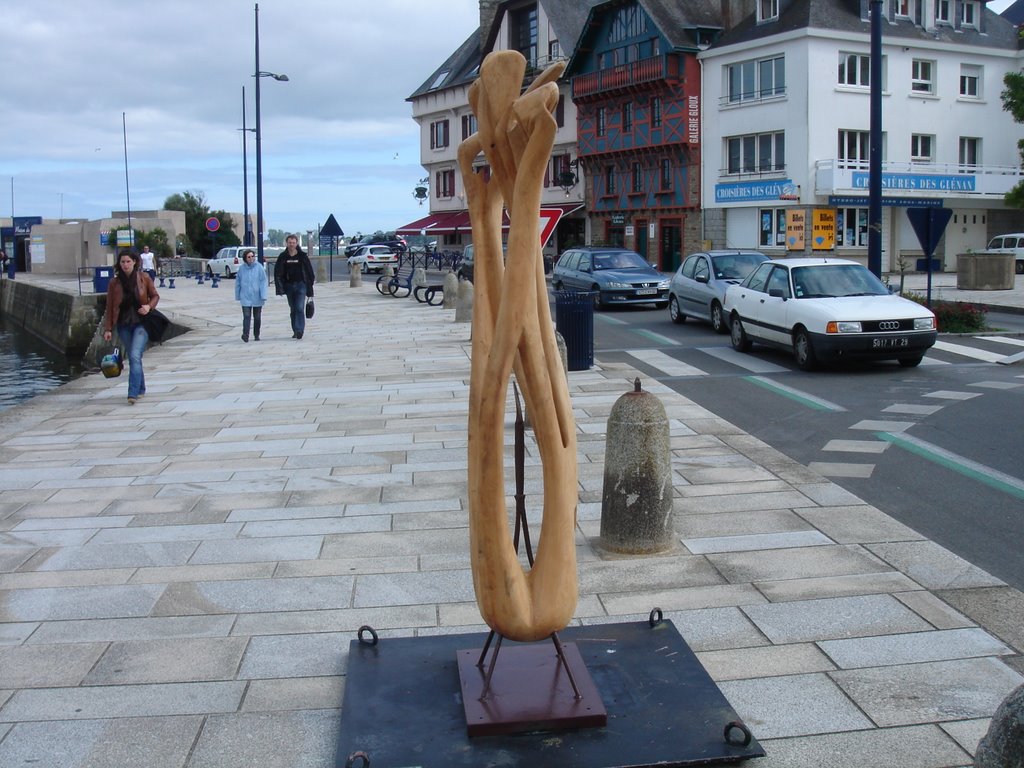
[(488, 12)]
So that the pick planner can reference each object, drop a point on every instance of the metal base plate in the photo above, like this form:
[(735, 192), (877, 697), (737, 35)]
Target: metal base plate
[(403, 706), (530, 691)]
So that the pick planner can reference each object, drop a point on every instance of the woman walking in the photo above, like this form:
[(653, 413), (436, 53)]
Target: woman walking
[(251, 293), (130, 296), (293, 277)]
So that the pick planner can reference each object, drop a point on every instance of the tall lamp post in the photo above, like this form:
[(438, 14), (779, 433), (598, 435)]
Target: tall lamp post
[(259, 147), (247, 226)]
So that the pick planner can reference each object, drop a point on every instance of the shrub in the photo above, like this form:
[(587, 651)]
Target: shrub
[(954, 316)]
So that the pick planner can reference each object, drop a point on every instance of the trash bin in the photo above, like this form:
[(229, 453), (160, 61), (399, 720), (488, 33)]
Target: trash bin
[(574, 319), (101, 278)]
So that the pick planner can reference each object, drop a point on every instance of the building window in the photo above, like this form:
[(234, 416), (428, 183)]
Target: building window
[(444, 183), (602, 121), (638, 178), (523, 33), (855, 69), (922, 148), (902, 9), (554, 51), (852, 227), (559, 165), (609, 180), (468, 126), (757, 79), (969, 14), (439, 134), (853, 149), (922, 76), (970, 151), (773, 227), (627, 21), (560, 112), (656, 112), (666, 175), (942, 11), (627, 117), (760, 152), (767, 10), (970, 81)]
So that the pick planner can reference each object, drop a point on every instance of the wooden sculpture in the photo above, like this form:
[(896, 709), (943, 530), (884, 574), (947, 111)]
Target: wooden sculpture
[(512, 331)]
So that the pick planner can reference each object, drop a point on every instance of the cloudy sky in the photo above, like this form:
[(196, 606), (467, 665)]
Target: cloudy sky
[(338, 137)]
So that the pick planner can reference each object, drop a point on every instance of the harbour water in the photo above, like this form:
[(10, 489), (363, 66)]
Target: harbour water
[(28, 367)]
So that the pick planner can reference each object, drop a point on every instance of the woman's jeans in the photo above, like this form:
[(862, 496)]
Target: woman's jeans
[(253, 315), (296, 293), (135, 339)]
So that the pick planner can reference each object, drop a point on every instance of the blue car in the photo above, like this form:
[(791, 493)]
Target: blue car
[(614, 275)]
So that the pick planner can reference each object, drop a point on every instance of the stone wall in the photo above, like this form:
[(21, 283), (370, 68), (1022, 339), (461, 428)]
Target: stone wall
[(62, 320)]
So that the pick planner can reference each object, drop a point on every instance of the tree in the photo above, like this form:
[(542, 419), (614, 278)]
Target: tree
[(202, 241), (1013, 102), (275, 237)]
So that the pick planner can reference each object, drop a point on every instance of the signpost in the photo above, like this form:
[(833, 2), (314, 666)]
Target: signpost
[(929, 224), (212, 225)]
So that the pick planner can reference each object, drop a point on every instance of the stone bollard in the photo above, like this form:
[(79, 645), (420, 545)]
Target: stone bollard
[(355, 276), (161, 282), (464, 303), (1003, 745), (451, 290), (389, 271), (199, 278), (215, 281), (419, 278), (636, 504), (171, 281)]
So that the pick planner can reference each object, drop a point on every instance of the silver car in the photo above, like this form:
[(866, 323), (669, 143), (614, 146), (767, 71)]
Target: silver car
[(698, 286)]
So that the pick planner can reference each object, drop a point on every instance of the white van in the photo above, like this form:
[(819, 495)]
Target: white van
[(1012, 243), (228, 260)]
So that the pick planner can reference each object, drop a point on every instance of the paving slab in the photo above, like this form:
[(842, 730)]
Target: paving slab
[(168, 660), (300, 739), (925, 746)]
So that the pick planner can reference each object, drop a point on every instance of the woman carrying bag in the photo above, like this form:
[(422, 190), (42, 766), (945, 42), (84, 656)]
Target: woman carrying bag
[(293, 277), (130, 297)]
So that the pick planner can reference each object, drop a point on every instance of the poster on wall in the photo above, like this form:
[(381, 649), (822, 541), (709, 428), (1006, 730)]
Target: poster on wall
[(823, 227), (37, 249), (796, 228)]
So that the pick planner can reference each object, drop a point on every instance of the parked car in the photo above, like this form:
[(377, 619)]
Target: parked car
[(615, 275), (372, 258), (826, 309), (228, 259), (1012, 243), (698, 286), (389, 239), (466, 264)]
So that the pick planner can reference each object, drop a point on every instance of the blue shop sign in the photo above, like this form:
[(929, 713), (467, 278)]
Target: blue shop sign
[(852, 201), (751, 191), (23, 224), (920, 182)]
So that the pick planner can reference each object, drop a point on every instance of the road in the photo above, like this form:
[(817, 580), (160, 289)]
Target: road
[(937, 447)]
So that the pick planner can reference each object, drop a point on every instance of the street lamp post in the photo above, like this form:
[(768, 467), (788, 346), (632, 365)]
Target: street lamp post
[(259, 147), (247, 226)]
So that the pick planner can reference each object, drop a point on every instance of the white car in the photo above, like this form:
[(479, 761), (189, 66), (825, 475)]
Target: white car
[(372, 258), (228, 260), (826, 310)]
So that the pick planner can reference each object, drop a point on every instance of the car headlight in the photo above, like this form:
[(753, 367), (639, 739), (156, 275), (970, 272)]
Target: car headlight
[(924, 323), (613, 284), (663, 285), (843, 326)]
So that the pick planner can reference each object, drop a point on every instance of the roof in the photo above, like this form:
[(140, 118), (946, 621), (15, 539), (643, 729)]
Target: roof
[(1014, 13), (566, 18), (460, 68)]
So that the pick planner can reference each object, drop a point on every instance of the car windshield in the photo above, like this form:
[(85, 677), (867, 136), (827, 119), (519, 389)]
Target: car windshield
[(620, 260), (736, 266), (831, 280)]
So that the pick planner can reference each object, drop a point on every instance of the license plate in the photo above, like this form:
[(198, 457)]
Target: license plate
[(646, 291), (890, 342)]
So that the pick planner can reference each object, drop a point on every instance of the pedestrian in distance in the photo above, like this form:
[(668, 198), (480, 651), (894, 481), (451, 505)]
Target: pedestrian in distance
[(131, 294), (251, 293), (148, 259), (293, 277)]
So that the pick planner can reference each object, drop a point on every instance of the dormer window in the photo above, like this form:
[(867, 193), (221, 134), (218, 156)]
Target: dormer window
[(903, 9), (943, 12), (767, 10), (969, 14)]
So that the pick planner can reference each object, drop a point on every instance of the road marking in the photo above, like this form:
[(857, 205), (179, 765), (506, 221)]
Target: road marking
[(665, 363), (795, 394), (932, 361), (976, 354), (856, 446), (946, 394), (611, 320), (829, 469), (911, 409), (743, 360), (1003, 340), (665, 341), (972, 469), (888, 426), (995, 384)]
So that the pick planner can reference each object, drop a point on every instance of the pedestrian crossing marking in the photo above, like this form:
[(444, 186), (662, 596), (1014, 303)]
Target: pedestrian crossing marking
[(912, 409), (856, 446), (976, 354), (831, 469), (946, 394), (1003, 340), (665, 341), (665, 363), (795, 394), (743, 360)]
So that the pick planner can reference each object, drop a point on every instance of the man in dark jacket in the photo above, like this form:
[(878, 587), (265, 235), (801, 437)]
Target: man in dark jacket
[(293, 277)]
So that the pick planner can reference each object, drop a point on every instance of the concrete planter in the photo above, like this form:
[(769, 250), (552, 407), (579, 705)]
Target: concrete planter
[(984, 271)]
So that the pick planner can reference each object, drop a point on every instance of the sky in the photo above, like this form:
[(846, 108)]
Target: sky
[(85, 84)]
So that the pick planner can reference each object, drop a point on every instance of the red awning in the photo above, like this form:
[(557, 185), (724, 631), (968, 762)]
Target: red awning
[(457, 222), (416, 227)]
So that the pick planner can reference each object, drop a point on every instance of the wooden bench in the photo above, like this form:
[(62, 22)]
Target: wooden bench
[(432, 295)]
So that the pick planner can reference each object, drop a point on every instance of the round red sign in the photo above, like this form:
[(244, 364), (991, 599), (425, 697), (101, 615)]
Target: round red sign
[(213, 224)]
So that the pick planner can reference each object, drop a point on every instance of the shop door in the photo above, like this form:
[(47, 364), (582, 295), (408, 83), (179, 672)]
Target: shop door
[(671, 246), (641, 238), (616, 236)]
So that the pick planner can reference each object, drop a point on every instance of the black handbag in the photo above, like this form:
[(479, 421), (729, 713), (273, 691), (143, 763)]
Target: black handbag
[(310, 308), (155, 322)]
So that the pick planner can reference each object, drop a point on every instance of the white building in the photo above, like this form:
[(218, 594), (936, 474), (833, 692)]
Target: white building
[(787, 116)]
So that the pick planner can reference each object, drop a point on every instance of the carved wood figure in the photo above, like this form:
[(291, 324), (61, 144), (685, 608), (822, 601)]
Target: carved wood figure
[(512, 330)]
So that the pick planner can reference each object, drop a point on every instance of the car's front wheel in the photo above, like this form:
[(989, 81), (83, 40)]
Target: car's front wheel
[(1019, 267), (803, 351), (227, 271), (718, 318), (738, 336), (674, 312), (556, 285)]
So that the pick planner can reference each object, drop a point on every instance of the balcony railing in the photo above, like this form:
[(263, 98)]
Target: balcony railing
[(927, 180), (625, 76)]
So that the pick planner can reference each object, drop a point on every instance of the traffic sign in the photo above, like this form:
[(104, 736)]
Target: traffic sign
[(213, 224), (549, 220), (929, 224)]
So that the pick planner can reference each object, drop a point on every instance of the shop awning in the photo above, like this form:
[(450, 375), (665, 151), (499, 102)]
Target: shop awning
[(426, 223), (457, 222)]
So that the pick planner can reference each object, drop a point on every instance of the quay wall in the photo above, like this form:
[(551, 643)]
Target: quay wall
[(63, 321)]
